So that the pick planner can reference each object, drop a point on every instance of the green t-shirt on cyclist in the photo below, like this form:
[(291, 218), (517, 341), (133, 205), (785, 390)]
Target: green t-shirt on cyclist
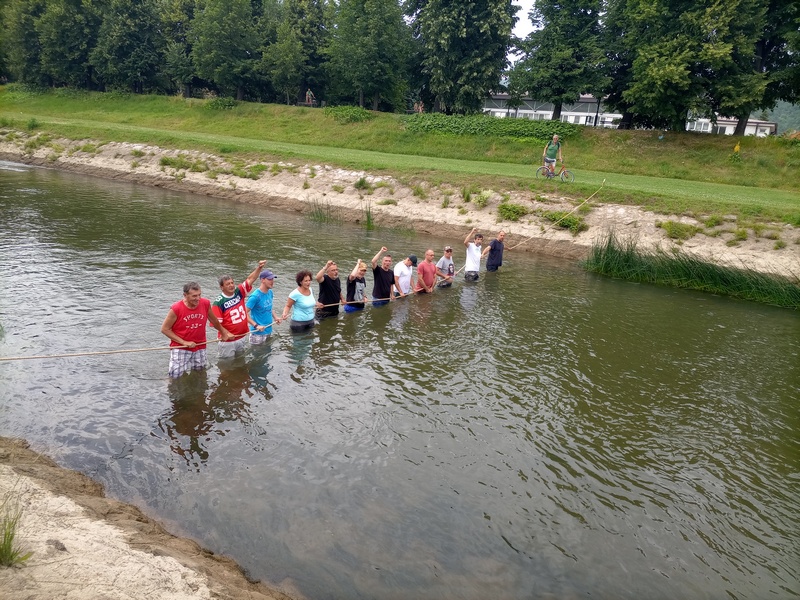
[(552, 149)]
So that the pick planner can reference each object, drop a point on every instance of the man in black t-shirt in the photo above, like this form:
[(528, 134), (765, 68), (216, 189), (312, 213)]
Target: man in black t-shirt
[(383, 287), (495, 252), (330, 290)]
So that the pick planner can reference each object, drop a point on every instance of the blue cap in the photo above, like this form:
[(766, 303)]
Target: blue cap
[(267, 274)]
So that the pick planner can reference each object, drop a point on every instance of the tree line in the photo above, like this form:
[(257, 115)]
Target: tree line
[(655, 61)]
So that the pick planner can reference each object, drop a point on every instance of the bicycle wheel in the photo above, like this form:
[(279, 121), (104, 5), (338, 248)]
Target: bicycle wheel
[(542, 173), (567, 176)]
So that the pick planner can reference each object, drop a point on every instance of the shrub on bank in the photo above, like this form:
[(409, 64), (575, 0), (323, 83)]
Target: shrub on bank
[(486, 125), (348, 114)]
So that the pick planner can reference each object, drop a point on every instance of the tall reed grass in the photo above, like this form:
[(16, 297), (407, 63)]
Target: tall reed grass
[(10, 515), (622, 259)]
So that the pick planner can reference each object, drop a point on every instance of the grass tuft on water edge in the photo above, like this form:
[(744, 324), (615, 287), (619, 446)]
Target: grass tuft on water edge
[(622, 259), (324, 213), (10, 515), (369, 220)]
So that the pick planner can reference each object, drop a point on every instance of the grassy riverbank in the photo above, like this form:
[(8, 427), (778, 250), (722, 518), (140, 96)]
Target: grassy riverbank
[(675, 173)]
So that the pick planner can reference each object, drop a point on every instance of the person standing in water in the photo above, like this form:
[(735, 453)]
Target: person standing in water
[(473, 246)]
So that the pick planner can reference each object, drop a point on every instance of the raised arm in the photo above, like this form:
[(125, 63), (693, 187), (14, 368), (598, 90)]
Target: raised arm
[(468, 239), (377, 257), (251, 279), (323, 271)]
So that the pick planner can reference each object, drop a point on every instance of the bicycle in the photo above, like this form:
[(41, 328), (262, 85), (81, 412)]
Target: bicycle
[(544, 172)]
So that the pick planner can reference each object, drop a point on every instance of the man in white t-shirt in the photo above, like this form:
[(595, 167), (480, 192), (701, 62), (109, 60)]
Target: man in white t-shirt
[(473, 246), (403, 272)]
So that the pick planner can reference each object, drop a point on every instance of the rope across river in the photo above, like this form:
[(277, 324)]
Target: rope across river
[(157, 348)]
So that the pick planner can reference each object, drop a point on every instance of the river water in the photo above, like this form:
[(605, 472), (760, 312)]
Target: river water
[(544, 433)]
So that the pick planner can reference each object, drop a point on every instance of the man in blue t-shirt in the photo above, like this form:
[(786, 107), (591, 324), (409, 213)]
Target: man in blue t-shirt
[(260, 314)]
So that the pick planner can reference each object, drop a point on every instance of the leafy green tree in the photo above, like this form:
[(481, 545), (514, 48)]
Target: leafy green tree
[(309, 20), (176, 17), (563, 57), (672, 58), (4, 73), (21, 41), (67, 31), (225, 44), (369, 50), (129, 45), (465, 47), (772, 59), (283, 61)]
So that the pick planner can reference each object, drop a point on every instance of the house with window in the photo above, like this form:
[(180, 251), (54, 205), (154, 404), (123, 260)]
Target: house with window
[(591, 112)]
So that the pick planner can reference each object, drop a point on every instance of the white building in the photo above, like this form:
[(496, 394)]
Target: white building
[(589, 111)]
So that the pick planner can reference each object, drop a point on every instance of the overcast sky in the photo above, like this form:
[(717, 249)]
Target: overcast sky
[(523, 27)]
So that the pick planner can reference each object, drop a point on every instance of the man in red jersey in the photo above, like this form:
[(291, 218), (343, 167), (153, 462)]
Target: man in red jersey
[(185, 326), (232, 312)]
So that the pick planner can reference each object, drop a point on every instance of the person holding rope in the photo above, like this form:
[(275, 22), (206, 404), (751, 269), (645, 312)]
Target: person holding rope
[(495, 252), (426, 274), (330, 290), (403, 273), (383, 286), (185, 326), (356, 288), (446, 268), (473, 246), (301, 303), (260, 312), (230, 309)]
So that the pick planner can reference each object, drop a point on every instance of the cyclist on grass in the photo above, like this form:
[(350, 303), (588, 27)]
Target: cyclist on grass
[(551, 152)]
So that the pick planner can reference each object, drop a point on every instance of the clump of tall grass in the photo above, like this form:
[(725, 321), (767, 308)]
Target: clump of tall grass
[(363, 185), (10, 515), (324, 213), (623, 260), (468, 190), (369, 221)]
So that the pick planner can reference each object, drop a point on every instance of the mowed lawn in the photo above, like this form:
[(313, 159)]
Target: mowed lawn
[(192, 127)]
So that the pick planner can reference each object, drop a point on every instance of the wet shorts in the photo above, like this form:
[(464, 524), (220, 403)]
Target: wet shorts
[(471, 276), (256, 339), (182, 361), (231, 349)]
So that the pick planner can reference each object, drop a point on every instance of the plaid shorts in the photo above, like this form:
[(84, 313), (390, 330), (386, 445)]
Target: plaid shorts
[(182, 361)]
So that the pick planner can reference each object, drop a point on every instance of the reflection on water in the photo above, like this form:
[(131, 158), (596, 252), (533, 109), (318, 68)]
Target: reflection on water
[(539, 433)]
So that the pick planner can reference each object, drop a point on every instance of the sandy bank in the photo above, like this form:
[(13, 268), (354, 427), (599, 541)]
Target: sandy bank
[(86, 546), (441, 209)]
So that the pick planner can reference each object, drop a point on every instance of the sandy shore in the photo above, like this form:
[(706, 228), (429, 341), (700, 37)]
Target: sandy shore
[(87, 546), (306, 187)]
